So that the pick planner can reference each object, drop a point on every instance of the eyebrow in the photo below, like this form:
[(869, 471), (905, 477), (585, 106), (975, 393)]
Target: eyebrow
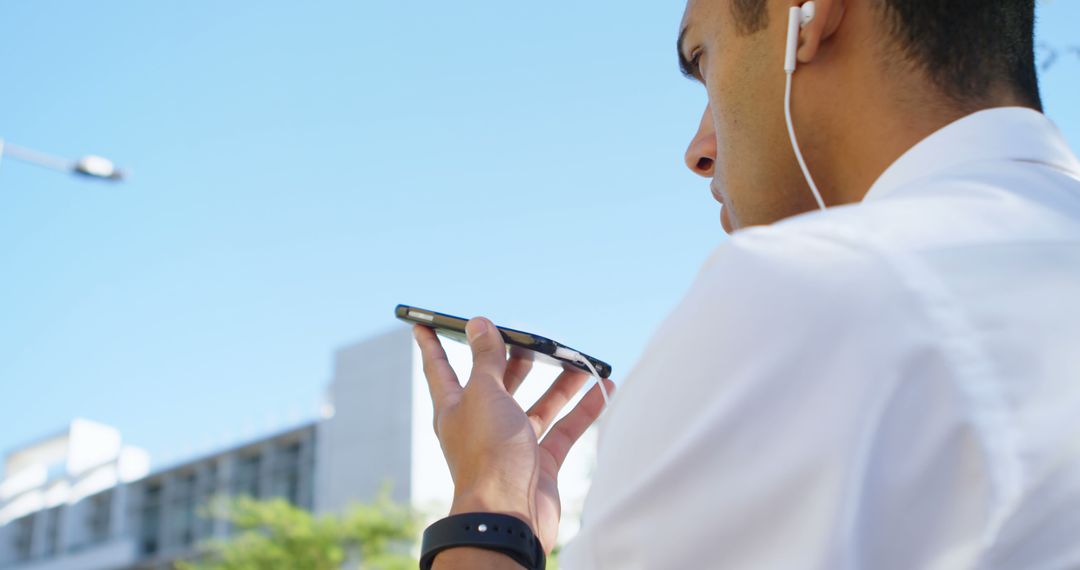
[(684, 64)]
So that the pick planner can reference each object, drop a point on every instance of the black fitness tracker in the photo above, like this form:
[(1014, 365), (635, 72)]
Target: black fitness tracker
[(490, 531)]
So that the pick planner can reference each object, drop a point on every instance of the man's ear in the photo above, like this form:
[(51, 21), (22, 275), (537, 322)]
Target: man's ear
[(826, 20)]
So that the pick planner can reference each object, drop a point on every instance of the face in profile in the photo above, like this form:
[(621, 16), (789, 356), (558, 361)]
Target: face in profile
[(742, 144)]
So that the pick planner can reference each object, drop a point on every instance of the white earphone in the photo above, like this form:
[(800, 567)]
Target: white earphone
[(798, 18)]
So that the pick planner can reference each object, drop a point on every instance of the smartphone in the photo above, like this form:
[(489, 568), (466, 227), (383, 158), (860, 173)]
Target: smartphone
[(545, 349)]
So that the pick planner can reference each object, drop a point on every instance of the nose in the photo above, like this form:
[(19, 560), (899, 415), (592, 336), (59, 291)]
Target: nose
[(701, 154)]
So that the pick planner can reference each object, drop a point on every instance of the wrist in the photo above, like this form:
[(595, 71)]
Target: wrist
[(477, 501)]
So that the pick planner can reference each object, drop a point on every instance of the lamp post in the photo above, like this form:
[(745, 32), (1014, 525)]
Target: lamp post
[(90, 165), (1049, 54)]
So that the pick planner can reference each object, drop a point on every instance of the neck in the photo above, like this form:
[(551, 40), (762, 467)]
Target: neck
[(868, 142)]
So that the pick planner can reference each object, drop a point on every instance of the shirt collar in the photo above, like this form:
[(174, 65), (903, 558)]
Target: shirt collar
[(1005, 133)]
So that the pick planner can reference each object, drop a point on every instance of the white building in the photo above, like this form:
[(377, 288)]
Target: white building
[(81, 499)]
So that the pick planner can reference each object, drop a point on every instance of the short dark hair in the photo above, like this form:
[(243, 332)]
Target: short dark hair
[(966, 47)]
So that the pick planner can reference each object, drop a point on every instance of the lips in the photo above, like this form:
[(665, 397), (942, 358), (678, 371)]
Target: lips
[(717, 195), (725, 217)]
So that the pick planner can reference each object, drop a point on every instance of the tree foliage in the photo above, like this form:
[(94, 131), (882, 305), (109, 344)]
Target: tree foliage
[(275, 534)]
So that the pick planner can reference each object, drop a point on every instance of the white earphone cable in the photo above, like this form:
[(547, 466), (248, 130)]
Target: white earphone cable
[(795, 143), (599, 380), (575, 356)]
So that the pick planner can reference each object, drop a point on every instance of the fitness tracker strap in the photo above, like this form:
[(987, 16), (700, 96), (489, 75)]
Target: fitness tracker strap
[(490, 531)]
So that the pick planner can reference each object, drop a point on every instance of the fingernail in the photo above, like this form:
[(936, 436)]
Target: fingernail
[(476, 328)]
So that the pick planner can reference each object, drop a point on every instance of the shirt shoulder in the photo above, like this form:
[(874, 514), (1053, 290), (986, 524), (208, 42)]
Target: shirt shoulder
[(764, 392), (985, 203), (806, 270)]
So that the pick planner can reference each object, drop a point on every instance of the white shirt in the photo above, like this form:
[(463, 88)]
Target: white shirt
[(889, 384)]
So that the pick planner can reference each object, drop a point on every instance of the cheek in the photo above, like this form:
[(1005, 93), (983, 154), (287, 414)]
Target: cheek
[(728, 124), (741, 96)]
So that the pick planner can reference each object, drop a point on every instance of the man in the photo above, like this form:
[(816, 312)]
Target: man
[(893, 382)]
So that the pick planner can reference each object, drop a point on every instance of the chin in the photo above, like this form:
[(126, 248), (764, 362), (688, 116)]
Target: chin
[(725, 221)]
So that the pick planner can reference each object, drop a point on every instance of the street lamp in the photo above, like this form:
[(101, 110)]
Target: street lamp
[(91, 165), (1048, 54)]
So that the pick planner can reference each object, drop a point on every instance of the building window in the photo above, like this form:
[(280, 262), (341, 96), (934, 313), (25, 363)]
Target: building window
[(286, 473), (207, 489), (97, 520), (182, 511), (246, 480), (24, 536), (52, 531), (150, 518)]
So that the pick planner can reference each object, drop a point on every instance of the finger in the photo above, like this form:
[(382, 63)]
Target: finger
[(561, 391), (521, 361), (489, 353), (567, 430), (442, 381)]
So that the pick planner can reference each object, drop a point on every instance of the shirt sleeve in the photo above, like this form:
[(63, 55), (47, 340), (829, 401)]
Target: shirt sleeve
[(798, 409)]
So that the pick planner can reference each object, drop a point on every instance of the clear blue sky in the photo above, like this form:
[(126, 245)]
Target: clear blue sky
[(302, 167)]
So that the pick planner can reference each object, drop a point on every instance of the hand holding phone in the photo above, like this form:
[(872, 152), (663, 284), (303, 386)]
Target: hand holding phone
[(497, 459)]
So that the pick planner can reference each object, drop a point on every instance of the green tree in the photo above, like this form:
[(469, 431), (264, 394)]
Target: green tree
[(275, 534)]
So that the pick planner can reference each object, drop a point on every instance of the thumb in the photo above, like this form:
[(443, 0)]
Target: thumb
[(488, 349)]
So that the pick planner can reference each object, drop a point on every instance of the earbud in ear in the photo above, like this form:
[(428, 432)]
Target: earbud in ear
[(806, 13), (798, 18)]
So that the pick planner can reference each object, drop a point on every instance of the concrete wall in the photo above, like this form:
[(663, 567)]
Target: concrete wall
[(366, 441)]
